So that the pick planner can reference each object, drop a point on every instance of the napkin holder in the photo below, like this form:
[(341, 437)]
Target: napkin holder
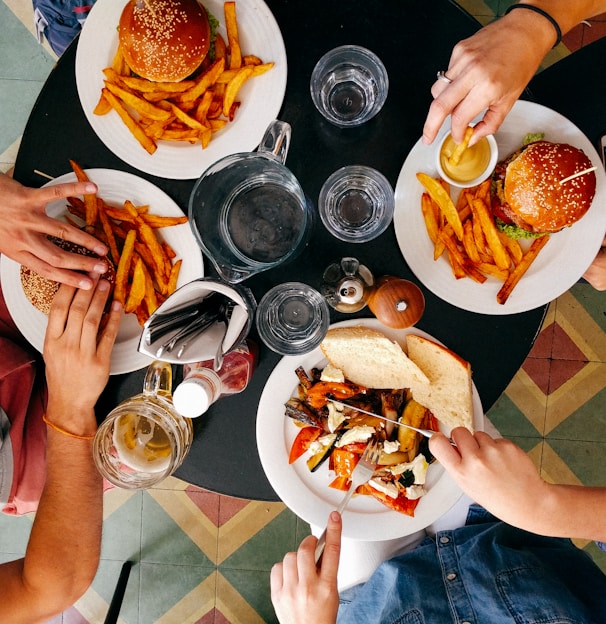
[(183, 305)]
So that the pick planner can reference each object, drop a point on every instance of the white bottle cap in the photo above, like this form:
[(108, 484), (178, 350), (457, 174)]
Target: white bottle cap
[(193, 397)]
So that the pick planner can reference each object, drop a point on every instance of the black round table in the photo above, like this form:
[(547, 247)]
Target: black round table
[(414, 40)]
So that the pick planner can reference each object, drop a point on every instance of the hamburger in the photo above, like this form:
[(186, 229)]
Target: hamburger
[(527, 197), (164, 40), (40, 291)]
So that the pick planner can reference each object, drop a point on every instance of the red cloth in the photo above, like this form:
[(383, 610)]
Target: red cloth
[(23, 398)]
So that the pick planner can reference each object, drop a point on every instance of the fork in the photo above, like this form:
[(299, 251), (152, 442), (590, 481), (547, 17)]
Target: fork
[(362, 473)]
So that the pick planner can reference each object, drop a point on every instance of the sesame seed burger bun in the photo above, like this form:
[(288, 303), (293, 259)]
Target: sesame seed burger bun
[(40, 291), (164, 40), (528, 192)]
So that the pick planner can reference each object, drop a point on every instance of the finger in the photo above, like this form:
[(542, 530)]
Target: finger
[(59, 311), (76, 323), (444, 451), (109, 334), (63, 276), (290, 571), (94, 314), (57, 256), (61, 229), (489, 124), (276, 579), (53, 192), (332, 549)]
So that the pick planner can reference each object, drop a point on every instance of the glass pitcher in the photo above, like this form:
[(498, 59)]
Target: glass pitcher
[(144, 439)]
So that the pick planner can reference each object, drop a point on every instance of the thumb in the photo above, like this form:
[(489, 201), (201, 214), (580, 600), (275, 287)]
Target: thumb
[(442, 449), (332, 551)]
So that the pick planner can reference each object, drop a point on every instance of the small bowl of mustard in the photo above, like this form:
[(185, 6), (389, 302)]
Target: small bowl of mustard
[(467, 167)]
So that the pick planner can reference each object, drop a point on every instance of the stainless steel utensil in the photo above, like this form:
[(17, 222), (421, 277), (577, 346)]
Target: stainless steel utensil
[(361, 474)]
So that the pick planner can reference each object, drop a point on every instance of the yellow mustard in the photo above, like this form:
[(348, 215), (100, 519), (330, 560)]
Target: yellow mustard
[(472, 163)]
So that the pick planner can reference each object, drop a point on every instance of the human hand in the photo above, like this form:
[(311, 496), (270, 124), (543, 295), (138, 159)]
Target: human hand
[(596, 273), (495, 473), (24, 227), (77, 355), (300, 592), (488, 71)]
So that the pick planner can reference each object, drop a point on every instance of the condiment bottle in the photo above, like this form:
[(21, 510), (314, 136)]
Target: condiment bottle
[(202, 385)]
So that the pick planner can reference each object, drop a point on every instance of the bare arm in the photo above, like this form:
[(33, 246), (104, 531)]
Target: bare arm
[(596, 273), (491, 69), (24, 227), (300, 592), (501, 477), (63, 550)]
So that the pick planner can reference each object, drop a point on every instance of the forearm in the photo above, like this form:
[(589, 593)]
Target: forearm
[(64, 547), (573, 511)]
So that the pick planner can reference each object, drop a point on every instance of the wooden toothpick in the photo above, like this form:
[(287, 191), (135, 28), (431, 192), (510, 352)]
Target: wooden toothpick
[(576, 175)]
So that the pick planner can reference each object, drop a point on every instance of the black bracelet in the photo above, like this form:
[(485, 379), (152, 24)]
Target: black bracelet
[(540, 11)]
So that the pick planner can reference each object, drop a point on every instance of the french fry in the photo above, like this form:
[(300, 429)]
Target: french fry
[(90, 199), (140, 104), (455, 157), (123, 268), (109, 234), (442, 198), (137, 288), (491, 233), (131, 123), (528, 258), (206, 80), (430, 217), (173, 277), (232, 88), (233, 42)]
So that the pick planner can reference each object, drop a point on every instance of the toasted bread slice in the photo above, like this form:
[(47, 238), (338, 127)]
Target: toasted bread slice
[(449, 393), (369, 358)]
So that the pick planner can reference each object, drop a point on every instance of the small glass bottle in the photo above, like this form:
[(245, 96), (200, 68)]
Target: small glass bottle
[(202, 386)]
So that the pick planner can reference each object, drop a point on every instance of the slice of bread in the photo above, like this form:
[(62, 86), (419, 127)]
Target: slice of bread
[(449, 394), (369, 358)]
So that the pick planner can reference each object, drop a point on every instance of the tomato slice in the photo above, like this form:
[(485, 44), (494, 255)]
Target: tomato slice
[(301, 443)]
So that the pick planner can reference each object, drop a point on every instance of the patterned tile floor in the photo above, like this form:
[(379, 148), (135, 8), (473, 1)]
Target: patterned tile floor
[(204, 558)]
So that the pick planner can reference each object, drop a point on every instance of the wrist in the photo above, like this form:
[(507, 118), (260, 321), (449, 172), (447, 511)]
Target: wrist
[(543, 31), (74, 423)]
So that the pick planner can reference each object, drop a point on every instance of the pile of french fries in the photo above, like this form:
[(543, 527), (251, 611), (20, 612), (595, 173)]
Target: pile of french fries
[(147, 269), (467, 234), (189, 110)]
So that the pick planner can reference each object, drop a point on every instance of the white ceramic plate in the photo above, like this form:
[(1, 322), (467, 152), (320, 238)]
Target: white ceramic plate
[(307, 494), (114, 187), (561, 262), (261, 97)]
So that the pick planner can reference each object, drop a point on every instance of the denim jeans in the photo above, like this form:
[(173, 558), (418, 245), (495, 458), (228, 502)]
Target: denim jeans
[(486, 572)]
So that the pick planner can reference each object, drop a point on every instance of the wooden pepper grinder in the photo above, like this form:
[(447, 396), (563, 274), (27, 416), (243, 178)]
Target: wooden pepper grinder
[(396, 302)]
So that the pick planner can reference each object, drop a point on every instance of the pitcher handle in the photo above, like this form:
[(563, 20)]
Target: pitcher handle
[(158, 379), (276, 140)]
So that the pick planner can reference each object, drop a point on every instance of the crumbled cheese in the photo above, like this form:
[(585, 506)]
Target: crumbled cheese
[(356, 434), (387, 487), (415, 491), (322, 443), (335, 416), (391, 446), (332, 373), (418, 466)]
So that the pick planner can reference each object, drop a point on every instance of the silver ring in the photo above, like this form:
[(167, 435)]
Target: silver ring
[(443, 77)]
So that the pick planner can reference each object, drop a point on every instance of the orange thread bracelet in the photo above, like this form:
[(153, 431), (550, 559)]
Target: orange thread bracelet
[(64, 432)]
